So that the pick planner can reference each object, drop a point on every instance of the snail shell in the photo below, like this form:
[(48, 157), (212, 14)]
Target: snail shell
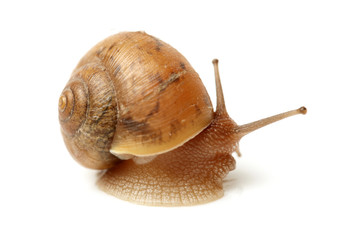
[(129, 96), (135, 107)]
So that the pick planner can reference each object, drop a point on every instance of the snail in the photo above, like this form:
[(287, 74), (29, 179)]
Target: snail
[(135, 108)]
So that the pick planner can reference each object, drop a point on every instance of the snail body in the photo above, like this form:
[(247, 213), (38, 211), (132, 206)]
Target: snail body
[(136, 107)]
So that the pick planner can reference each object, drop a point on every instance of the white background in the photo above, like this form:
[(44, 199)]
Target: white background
[(297, 179)]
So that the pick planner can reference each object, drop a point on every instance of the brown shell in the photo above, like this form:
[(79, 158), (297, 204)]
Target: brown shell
[(157, 100), (88, 116)]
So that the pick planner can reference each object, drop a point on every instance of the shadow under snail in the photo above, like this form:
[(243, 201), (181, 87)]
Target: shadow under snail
[(135, 107)]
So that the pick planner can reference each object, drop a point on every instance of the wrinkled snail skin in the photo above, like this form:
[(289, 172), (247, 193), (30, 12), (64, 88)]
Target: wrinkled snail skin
[(190, 174), (135, 107)]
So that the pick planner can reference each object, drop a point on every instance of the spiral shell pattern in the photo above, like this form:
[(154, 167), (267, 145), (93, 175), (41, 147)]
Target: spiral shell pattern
[(73, 104), (88, 116), (131, 95)]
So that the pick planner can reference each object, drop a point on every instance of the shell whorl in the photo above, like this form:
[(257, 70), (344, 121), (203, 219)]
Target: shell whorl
[(88, 116), (157, 112), (129, 96), (73, 104)]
